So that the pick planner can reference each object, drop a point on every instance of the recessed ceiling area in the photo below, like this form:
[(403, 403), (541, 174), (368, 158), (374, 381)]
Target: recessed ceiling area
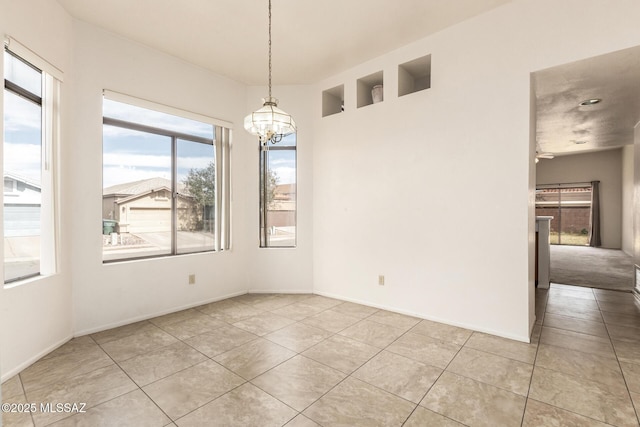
[(564, 126), (312, 39)]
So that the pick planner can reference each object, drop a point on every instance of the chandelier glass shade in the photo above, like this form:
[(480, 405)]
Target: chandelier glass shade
[(269, 123)]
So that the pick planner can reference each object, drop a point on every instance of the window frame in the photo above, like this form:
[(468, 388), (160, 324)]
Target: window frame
[(48, 102), (264, 149), (221, 144)]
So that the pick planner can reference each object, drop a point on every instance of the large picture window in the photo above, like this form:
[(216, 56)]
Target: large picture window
[(570, 207), (278, 193), (30, 96), (164, 182)]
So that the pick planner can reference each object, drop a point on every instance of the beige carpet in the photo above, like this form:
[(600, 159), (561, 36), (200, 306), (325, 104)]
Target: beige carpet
[(591, 267)]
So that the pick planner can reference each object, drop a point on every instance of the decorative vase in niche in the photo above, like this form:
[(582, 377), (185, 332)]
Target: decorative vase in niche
[(376, 94)]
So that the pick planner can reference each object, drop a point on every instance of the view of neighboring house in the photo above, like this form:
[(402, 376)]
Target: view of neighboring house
[(145, 206), (22, 198)]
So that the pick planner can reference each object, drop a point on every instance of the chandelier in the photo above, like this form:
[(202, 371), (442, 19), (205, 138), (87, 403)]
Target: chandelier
[(269, 123)]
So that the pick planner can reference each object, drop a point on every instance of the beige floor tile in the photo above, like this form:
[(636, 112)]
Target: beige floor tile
[(631, 373), (356, 403), (355, 310), (149, 367), (323, 302), (424, 349), (302, 421), (92, 388), (535, 334), (629, 307), (474, 403), (635, 397), (399, 375), (178, 316), (123, 331), (589, 366), (576, 325), (422, 417), (216, 305), (624, 333), (235, 313), (577, 312), (610, 295), (16, 415), (72, 346), (263, 323), (572, 302), (253, 298), (191, 388), (48, 372), (540, 414), (133, 345), (396, 320), (331, 321), (252, 359), (193, 326), (372, 333), (12, 388), (589, 398), (623, 319), (583, 293), (272, 304), (131, 409), (512, 349), (577, 341), (501, 372), (232, 410), (220, 340), (442, 332), (298, 311), (627, 351), (341, 353), (298, 336), (299, 381)]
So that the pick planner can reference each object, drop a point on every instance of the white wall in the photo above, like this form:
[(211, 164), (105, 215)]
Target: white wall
[(603, 166), (636, 193), (36, 316), (433, 189), (627, 199), (114, 294)]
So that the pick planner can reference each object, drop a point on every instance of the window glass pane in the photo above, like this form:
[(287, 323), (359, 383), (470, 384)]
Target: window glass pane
[(196, 200), (576, 210), (25, 76), (22, 186), (136, 196), (143, 116), (278, 218)]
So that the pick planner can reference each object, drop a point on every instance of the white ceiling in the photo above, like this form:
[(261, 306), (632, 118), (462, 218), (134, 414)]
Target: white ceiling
[(614, 78), (312, 39)]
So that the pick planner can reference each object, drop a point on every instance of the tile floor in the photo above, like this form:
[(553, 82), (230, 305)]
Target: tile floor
[(306, 360)]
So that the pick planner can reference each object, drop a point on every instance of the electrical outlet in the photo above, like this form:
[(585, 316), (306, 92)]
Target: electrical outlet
[(381, 280), (192, 279)]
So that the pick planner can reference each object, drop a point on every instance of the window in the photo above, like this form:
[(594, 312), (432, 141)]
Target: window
[(278, 193), (30, 125), (570, 207), (165, 181)]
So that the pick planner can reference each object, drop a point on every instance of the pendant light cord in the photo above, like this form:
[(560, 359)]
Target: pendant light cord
[(269, 50)]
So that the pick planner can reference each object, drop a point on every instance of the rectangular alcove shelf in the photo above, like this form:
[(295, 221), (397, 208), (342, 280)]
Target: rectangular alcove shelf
[(414, 76), (365, 85), (333, 101)]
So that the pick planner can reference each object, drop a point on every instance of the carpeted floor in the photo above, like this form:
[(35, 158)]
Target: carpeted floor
[(591, 267)]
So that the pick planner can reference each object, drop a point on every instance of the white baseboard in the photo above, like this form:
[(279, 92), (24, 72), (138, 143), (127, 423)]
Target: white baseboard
[(280, 291), (33, 359), (427, 317), (151, 316)]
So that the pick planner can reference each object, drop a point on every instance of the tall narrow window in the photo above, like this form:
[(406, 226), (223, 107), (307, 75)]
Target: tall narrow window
[(28, 228), (162, 193), (278, 193)]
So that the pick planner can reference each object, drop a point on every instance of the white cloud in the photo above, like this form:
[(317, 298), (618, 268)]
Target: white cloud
[(23, 160), (286, 175)]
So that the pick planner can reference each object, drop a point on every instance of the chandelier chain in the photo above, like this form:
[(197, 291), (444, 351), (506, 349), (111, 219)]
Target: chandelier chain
[(269, 50)]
